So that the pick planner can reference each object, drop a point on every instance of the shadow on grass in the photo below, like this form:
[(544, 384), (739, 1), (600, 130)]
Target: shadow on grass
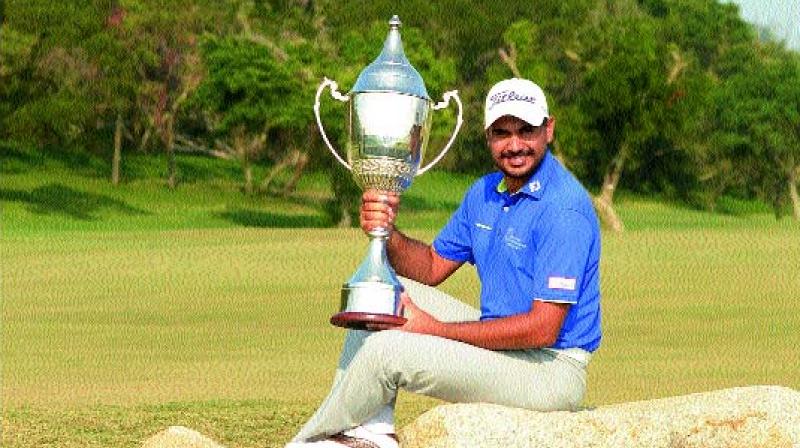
[(15, 161), (18, 159), (256, 218), (58, 199)]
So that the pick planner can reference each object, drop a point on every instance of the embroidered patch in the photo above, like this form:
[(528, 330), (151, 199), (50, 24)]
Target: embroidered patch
[(510, 95), (564, 283), (513, 241)]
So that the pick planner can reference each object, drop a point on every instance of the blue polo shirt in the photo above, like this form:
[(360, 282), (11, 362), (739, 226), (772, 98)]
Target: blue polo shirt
[(541, 243)]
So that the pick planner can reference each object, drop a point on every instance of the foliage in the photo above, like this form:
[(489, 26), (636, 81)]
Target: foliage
[(247, 86), (47, 87), (759, 124), (644, 85)]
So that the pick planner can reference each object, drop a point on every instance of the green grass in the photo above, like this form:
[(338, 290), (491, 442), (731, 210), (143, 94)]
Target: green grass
[(126, 310)]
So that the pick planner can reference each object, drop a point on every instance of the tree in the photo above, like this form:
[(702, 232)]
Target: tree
[(49, 78), (609, 77), (303, 39), (117, 85), (247, 89), (788, 93), (164, 34), (91, 67), (761, 119), (707, 43), (625, 94)]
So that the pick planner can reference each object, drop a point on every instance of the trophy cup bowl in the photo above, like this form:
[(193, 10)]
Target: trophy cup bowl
[(389, 126)]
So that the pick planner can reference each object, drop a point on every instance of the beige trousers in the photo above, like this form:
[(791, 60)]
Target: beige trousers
[(375, 365)]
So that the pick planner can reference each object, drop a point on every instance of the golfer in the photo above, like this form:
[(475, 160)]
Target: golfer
[(531, 232)]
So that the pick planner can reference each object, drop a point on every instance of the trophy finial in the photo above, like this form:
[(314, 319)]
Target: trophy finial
[(391, 71)]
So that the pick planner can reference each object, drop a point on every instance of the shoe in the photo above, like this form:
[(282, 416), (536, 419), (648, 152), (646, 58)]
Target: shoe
[(320, 444), (360, 437), (357, 437)]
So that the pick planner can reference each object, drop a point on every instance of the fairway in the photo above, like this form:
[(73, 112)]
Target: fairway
[(126, 310), (230, 325)]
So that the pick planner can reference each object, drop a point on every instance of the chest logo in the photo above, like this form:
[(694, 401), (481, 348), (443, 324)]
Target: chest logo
[(513, 241)]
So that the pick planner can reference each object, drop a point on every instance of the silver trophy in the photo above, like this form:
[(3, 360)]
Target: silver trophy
[(388, 130)]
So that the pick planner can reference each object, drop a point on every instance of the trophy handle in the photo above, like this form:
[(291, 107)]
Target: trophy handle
[(343, 98), (453, 94)]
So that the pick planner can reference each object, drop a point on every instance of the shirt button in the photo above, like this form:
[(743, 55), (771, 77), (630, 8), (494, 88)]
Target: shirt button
[(505, 209)]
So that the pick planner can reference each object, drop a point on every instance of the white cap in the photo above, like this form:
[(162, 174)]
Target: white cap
[(516, 97)]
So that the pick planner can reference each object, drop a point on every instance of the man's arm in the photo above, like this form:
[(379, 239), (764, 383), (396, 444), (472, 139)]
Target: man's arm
[(409, 257), (539, 327), (414, 259), (418, 261)]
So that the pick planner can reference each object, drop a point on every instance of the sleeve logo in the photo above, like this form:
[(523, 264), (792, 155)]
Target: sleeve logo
[(563, 283)]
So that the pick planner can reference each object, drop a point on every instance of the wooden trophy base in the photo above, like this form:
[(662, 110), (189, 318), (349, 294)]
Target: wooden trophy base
[(367, 321)]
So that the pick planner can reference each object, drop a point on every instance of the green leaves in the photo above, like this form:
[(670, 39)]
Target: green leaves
[(247, 85), (685, 85)]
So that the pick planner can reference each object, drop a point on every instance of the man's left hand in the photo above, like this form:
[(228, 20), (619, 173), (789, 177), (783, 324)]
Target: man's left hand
[(418, 321)]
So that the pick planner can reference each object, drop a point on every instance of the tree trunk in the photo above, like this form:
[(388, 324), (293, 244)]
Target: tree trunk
[(794, 174), (613, 173), (274, 171), (145, 138), (169, 142), (300, 163), (301, 160), (248, 176), (241, 147), (607, 215), (510, 59), (115, 161), (604, 203), (296, 159), (345, 222)]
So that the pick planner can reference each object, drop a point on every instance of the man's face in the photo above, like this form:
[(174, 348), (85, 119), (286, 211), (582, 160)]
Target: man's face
[(517, 147)]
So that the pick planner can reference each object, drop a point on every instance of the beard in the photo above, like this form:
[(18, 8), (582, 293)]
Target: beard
[(510, 154)]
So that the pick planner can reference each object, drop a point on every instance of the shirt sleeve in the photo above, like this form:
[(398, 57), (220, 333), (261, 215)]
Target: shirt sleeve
[(454, 242), (563, 257)]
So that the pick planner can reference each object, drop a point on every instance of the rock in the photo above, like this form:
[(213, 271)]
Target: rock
[(180, 437), (743, 417)]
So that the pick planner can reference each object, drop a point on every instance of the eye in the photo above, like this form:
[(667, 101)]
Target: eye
[(527, 132), (500, 133)]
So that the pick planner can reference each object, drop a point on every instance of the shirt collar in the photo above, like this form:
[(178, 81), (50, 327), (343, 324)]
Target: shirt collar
[(535, 186)]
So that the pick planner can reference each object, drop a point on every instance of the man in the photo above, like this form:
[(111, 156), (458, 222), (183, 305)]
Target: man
[(532, 234)]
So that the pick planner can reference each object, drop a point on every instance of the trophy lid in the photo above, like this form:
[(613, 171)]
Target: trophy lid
[(391, 71)]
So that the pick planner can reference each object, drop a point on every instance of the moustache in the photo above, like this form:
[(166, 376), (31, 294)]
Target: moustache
[(507, 154)]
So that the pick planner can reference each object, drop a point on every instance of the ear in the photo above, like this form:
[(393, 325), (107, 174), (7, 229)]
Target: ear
[(551, 128)]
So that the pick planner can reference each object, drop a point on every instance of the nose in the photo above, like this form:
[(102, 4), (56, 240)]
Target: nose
[(515, 143)]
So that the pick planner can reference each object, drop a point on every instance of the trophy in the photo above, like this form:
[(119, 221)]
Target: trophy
[(388, 130)]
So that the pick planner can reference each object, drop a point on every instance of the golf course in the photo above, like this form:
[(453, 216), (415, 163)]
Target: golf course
[(128, 309)]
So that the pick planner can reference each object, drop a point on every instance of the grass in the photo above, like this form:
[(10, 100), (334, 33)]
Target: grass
[(126, 310)]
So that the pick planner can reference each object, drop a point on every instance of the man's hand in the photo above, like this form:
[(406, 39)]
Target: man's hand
[(378, 209), (418, 321), (537, 328)]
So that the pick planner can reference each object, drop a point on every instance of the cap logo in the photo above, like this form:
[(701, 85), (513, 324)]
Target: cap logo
[(509, 95)]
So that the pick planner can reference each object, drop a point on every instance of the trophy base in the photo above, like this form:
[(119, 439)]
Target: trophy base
[(367, 321)]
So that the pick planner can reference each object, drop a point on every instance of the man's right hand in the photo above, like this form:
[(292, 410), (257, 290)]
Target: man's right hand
[(378, 210)]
